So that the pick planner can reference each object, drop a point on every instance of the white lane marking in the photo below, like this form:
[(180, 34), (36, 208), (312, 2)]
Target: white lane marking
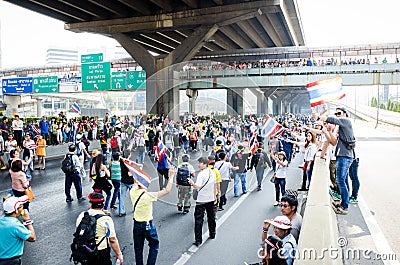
[(377, 235)]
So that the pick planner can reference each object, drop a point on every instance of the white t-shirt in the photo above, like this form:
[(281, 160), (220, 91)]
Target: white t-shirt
[(223, 168), (280, 170), (207, 192)]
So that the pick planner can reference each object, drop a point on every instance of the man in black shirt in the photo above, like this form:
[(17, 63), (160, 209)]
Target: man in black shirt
[(240, 159)]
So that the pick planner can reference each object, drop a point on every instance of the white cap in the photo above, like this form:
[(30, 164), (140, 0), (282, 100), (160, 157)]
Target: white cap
[(11, 204), (281, 221)]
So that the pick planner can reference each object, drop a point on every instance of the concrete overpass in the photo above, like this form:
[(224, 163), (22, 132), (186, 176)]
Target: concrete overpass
[(175, 31)]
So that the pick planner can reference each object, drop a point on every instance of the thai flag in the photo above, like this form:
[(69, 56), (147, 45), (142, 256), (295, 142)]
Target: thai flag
[(32, 146), (270, 127), (75, 107), (160, 149), (254, 146), (323, 91), (253, 118), (35, 129), (143, 178)]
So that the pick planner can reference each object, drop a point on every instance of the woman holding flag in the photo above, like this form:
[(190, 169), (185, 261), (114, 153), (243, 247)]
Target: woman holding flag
[(163, 163)]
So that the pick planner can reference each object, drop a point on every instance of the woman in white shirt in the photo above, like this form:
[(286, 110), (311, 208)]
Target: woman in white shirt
[(280, 175)]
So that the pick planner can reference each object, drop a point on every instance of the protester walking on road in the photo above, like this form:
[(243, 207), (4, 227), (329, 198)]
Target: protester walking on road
[(72, 175), (115, 172), (101, 182), (240, 159), (143, 225), (259, 161), (14, 232), (184, 173)]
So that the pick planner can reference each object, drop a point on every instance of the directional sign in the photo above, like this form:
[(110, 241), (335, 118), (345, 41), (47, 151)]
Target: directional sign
[(137, 80), (92, 58), (48, 84), (19, 85), (96, 76), (118, 80)]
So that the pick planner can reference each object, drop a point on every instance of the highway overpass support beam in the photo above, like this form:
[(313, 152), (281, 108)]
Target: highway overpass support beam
[(234, 99)]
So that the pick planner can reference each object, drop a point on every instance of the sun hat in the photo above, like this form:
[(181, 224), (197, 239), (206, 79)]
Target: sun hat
[(281, 222), (282, 153), (12, 203)]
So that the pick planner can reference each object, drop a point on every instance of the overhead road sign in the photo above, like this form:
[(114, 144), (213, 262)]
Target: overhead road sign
[(118, 80), (92, 58), (96, 76), (136, 80), (20, 85), (48, 84)]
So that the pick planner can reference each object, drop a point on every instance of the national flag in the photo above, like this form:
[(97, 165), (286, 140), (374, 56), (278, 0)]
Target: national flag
[(270, 127), (142, 177), (75, 107), (160, 149), (253, 118), (324, 91), (32, 146), (254, 146), (35, 129)]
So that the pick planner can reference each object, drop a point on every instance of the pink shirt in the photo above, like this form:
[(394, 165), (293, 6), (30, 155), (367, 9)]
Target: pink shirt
[(18, 180)]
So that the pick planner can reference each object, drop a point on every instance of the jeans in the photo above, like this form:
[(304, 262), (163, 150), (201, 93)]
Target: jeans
[(280, 184), (353, 174), (16, 261), (76, 180), (140, 155), (309, 172), (124, 191), (342, 171), (162, 177), (117, 191), (199, 218), (260, 175), (139, 235), (242, 177)]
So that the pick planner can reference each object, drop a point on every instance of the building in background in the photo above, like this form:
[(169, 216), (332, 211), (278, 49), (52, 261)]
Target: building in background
[(56, 56)]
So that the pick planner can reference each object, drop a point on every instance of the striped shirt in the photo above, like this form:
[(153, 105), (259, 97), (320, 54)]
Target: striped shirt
[(115, 170)]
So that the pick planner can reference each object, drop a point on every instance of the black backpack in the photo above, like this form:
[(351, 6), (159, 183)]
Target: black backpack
[(67, 165), (183, 175), (84, 247)]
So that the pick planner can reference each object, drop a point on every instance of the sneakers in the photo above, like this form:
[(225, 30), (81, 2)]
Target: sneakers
[(197, 243), (259, 189), (3, 167), (335, 196), (81, 199), (121, 214), (180, 208), (353, 200), (211, 236), (69, 200), (114, 206), (276, 203), (340, 210)]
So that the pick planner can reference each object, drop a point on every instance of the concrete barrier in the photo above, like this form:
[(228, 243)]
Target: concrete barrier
[(318, 242)]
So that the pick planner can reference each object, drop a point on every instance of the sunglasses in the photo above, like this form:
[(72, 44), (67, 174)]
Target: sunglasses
[(338, 113)]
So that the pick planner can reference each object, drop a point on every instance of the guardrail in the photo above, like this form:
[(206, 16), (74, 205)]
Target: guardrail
[(319, 231)]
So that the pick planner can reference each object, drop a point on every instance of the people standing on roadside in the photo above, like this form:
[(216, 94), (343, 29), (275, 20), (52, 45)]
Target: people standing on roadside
[(10, 144), (41, 152), (280, 175), (345, 153), (105, 232), (206, 198), (143, 225), (44, 127), (289, 204), (240, 159), (2, 151), (14, 232), (4, 128), (73, 177), (17, 126)]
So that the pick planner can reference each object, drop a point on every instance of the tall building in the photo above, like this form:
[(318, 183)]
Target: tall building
[(62, 56)]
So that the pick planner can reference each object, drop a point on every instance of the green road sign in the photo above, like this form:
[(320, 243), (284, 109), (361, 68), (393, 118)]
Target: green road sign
[(118, 80), (136, 80), (96, 76), (92, 58), (48, 84)]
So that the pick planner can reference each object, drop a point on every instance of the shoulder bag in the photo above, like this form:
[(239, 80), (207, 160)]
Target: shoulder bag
[(196, 192)]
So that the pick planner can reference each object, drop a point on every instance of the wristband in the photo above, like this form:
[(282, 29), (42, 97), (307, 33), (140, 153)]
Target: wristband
[(265, 230), (28, 222)]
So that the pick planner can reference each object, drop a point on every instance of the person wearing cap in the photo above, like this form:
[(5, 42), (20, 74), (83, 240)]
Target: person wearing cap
[(240, 159), (345, 153), (282, 227), (280, 175), (143, 225), (206, 186), (259, 161), (289, 205), (13, 232), (104, 229)]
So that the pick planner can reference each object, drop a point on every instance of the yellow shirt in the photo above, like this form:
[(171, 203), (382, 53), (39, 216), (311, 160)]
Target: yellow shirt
[(217, 177), (144, 208), (104, 227)]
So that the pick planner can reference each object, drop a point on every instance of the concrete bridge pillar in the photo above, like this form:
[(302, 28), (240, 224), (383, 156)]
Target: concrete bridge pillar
[(235, 101), (192, 95), (39, 107), (262, 103)]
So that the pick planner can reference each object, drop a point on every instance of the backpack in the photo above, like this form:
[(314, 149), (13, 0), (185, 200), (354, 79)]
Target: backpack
[(114, 142), (183, 175), (84, 247), (67, 165)]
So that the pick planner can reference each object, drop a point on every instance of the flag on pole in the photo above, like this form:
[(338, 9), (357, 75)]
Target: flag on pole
[(35, 129), (270, 127), (254, 119), (324, 91), (160, 150), (75, 107), (143, 178)]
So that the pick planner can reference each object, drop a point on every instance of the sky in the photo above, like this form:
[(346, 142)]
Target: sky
[(26, 35)]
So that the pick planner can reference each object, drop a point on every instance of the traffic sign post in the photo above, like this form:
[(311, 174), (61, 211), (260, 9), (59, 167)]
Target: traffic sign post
[(136, 80), (118, 80), (96, 76), (92, 58), (20, 85), (48, 84)]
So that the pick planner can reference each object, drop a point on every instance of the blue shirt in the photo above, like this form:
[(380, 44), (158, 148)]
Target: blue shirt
[(163, 163), (13, 234), (289, 248), (44, 126)]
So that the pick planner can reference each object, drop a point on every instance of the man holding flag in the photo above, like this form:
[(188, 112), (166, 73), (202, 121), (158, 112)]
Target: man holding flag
[(163, 163)]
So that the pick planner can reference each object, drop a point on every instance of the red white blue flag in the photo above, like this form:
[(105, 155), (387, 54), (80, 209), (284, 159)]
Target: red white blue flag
[(324, 91), (160, 149), (32, 146), (75, 107), (35, 129), (270, 127), (142, 177)]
